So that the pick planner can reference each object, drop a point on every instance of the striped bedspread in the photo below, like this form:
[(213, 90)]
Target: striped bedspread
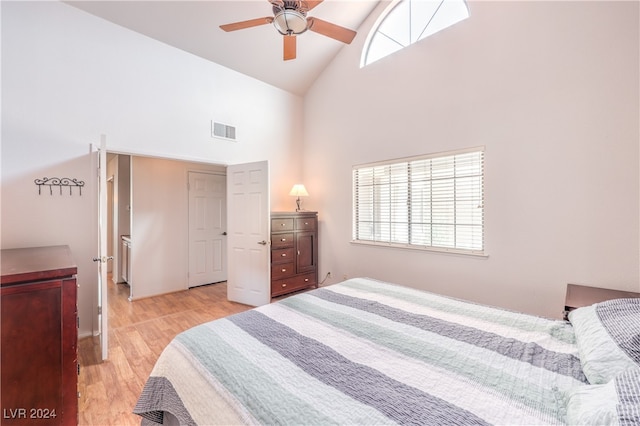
[(367, 352)]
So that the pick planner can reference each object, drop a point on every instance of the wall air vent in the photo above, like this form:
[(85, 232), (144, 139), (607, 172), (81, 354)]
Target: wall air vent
[(224, 131)]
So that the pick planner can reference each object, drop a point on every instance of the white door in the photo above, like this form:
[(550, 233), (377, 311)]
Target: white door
[(248, 226), (102, 257), (207, 228)]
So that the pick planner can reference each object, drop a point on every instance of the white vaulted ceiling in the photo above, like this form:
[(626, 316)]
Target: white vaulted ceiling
[(193, 26)]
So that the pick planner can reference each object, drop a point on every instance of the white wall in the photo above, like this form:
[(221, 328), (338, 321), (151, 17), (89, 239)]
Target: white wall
[(68, 77), (551, 90), (159, 229)]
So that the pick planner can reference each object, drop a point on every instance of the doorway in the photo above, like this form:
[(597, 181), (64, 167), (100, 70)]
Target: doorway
[(151, 213), (159, 243)]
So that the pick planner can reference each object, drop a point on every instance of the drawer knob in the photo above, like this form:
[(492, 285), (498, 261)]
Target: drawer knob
[(284, 255), (306, 223), (283, 239), (284, 285), (284, 269), (282, 224), (306, 280)]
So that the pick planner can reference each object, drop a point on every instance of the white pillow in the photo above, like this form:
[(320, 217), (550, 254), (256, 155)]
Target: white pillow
[(608, 338)]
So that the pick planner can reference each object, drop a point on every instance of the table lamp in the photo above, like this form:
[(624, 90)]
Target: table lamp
[(298, 190)]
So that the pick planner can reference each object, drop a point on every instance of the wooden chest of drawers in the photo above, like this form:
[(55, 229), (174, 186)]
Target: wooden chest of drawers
[(39, 337), (294, 252)]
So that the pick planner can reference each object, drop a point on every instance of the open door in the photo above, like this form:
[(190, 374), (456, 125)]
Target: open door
[(102, 257), (248, 251)]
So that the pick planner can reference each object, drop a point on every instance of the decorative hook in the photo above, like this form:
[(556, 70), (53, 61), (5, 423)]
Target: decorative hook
[(59, 182)]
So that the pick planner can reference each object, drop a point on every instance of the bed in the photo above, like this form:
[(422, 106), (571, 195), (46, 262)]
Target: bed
[(369, 352)]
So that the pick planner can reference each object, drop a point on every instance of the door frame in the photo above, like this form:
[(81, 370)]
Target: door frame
[(102, 327)]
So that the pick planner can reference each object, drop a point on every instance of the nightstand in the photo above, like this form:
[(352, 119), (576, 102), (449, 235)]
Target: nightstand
[(581, 295)]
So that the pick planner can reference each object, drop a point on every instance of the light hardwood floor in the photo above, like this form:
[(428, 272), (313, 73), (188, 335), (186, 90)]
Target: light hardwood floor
[(138, 332)]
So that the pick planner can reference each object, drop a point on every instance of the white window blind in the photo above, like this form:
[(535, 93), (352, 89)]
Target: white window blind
[(433, 201)]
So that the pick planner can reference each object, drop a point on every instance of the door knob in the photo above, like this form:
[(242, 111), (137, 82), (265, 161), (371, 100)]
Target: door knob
[(263, 242), (224, 233), (102, 259)]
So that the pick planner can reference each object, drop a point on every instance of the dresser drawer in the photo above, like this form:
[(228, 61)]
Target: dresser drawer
[(281, 240), (282, 255), (281, 224), (283, 270), (299, 282), (307, 279), (306, 224)]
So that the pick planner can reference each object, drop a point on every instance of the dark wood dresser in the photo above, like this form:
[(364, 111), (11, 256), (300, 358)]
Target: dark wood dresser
[(39, 337), (294, 251)]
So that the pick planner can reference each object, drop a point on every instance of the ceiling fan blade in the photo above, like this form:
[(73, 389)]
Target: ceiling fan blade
[(247, 24), (289, 47), (334, 31), (313, 3)]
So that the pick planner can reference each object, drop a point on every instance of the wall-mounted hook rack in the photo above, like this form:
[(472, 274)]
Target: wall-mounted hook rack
[(59, 182)]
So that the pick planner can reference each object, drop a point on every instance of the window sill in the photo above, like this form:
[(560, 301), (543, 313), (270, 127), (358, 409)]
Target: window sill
[(440, 250)]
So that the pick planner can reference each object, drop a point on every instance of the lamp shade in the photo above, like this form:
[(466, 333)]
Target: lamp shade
[(299, 190), (290, 21)]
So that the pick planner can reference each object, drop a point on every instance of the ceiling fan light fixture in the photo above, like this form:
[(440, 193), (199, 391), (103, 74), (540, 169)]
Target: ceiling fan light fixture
[(290, 19), (290, 22)]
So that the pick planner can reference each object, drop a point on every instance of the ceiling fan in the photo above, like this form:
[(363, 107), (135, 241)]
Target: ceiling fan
[(290, 19)]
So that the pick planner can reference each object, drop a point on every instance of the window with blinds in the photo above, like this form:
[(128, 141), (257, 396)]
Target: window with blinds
[(432, 202)]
